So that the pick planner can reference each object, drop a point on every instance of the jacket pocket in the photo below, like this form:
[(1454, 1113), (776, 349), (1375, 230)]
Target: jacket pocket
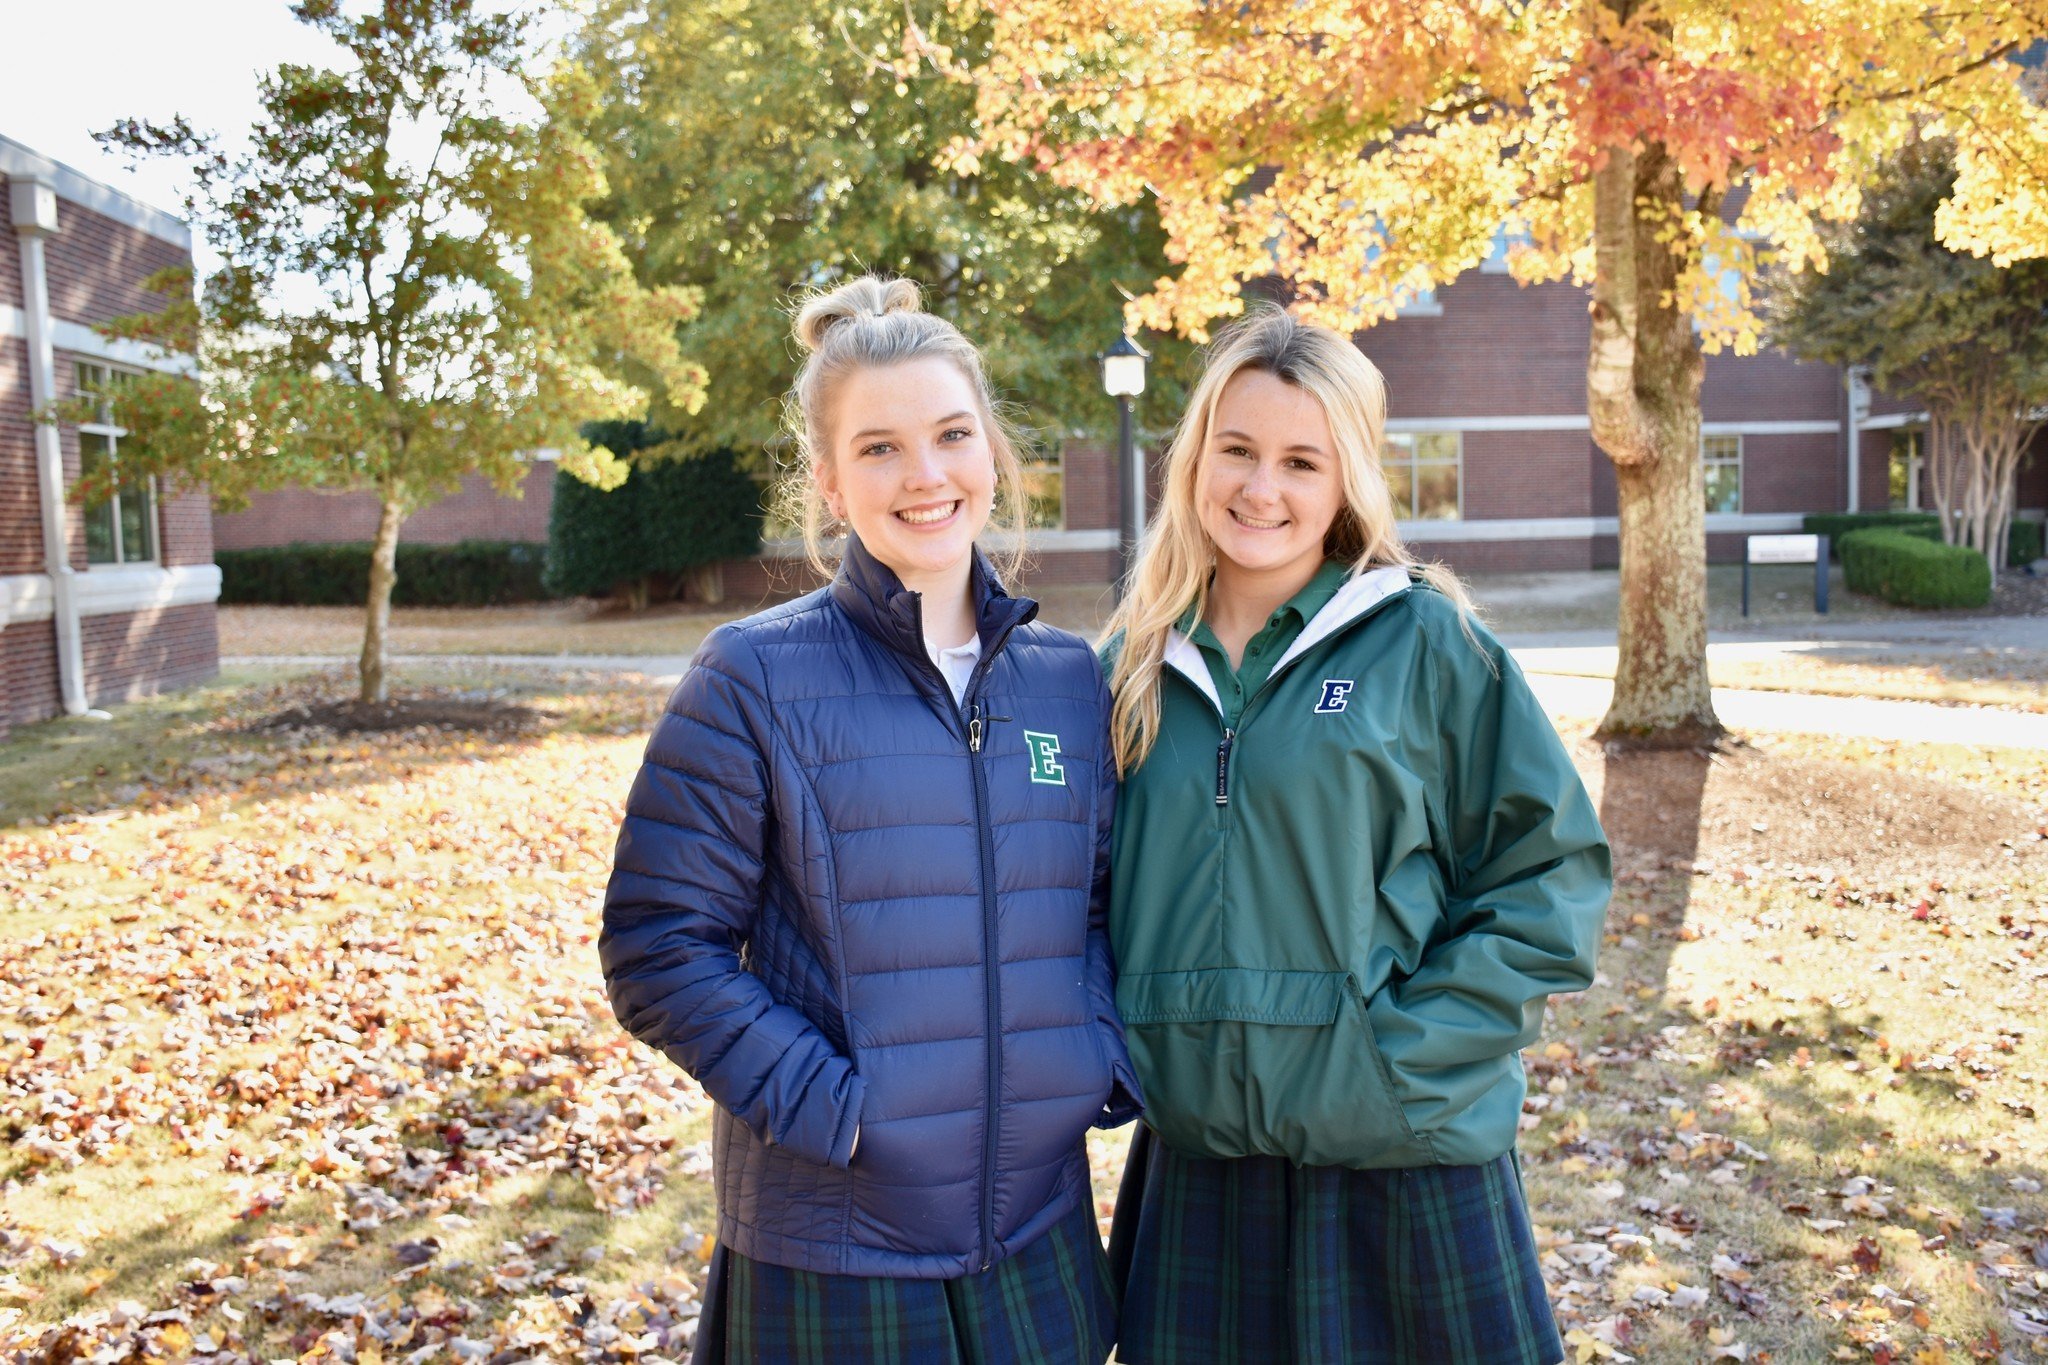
[(1241, 1061)]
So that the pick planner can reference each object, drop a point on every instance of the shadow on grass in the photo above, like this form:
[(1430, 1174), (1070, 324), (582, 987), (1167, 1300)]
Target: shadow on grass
[(1650, 803)]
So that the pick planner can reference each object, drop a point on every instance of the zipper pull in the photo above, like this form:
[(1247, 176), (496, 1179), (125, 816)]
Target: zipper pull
[(974, 728), (1223, 767)]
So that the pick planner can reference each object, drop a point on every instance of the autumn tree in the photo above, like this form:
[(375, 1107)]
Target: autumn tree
[(755, 148), (1957, 333), (1649, 149), (411, 289)]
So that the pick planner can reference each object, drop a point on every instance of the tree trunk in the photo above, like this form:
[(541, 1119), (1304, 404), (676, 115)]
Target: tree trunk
[(383, 577), (706, 583), (1643, 375)]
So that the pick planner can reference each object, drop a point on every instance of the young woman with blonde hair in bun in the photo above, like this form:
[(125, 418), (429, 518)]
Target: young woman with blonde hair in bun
[(1352, 860), (860, 893)]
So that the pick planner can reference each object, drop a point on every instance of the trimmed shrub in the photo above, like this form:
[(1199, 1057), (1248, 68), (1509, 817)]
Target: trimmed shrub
[(593, 539), (2023, 544), (473, 573), (1836, 525), (677, 516), (1903, 568)]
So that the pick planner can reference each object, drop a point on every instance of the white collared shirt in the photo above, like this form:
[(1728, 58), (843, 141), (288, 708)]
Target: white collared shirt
[(956, 664)]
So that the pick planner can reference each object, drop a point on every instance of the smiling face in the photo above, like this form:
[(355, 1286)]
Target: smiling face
[(910, 468), (1267, 487)]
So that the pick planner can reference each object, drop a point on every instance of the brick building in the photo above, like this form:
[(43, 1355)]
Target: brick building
[(1488, 445), (116, 600)]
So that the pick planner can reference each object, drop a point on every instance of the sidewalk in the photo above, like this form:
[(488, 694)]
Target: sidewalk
[(1562, 669), (1863, 717)]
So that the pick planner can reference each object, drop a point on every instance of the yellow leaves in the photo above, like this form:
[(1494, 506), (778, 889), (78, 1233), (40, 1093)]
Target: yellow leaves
[(1396, 144), (1999, 207), (175, 1338)]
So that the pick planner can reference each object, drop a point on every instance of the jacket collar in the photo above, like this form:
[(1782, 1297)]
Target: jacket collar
[(1359, 597), (869, 591)]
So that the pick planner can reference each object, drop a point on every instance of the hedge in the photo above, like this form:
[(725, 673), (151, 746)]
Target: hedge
[(2022, 545), (1903, 568), (474, 573), (678, 512)]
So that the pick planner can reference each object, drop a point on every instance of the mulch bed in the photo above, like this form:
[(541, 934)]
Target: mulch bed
[(1744, 805), (490, 716), (2018, 594)]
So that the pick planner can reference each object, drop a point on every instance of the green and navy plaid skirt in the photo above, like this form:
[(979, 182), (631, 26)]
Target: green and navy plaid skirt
[(1050, 1304), (1258, 1260)]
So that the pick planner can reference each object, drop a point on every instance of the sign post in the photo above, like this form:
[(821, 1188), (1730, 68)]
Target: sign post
[(1788, 550)]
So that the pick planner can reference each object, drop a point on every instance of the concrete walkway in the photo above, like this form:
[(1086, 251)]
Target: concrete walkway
[(1806, 713), (1557, 665)]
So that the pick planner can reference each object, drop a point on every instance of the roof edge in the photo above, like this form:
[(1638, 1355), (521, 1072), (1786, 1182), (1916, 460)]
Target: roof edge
[(23, 163)]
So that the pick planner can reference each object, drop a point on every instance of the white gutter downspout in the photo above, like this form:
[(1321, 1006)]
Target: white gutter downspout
[(1857, 381), (34, 203)]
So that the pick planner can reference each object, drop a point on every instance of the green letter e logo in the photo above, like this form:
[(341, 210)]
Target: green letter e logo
[(1045, 758)]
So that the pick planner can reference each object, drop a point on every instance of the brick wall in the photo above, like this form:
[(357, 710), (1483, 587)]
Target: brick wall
[(1507, 556), (139, 654), (2033, 480), (21, 515), (1772, 386), (96, 266), (185, 526), (1792, 473), (10, 269), (28, 671), (1499, 349), (1526, 474), (1090, 473), (476, 511)]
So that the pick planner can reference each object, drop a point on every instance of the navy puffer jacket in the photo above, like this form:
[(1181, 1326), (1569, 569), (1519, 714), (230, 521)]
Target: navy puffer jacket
[(845, 904)]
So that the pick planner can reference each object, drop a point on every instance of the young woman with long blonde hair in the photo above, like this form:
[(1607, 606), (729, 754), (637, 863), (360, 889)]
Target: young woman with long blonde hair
[(1352, 859)]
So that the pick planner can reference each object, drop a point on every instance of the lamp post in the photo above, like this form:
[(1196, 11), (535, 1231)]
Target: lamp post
[(1123, 378)]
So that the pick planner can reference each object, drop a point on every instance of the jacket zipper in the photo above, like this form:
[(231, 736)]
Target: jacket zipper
[(977, 723), (1223, 749), (992, 973)]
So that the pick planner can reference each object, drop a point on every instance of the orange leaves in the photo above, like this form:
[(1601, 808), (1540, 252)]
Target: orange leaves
[(1393, 140)]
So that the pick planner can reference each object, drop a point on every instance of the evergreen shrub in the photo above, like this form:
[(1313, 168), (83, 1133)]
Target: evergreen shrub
[(1912, 572), (473, 573), (677, 514)]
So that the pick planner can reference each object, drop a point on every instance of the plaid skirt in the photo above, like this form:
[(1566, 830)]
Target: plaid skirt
[(1258, 1260), (1050, 1304)]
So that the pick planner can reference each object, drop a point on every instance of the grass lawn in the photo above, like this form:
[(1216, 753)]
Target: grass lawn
[(303, 1049)]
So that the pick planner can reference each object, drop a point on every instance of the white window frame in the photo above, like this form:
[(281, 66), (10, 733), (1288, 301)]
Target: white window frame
[(1916, 466), (1415, 464), (1708, 461), (1054, 463), (85, 374)]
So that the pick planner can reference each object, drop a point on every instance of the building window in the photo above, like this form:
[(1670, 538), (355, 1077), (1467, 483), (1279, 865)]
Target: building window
[(1908, 452), (1045, 492), (120, 527), (1422, 469), (1723, 458)]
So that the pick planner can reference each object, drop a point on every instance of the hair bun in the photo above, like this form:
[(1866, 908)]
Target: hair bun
[(865, 296)]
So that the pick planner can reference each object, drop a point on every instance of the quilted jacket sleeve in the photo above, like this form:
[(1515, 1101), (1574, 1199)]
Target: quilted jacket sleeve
[(1526, 873), (685, 888), (1126, 1100)]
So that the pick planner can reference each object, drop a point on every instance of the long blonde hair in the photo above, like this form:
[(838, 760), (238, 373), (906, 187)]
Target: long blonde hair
[(866, 323), (1174, 566)]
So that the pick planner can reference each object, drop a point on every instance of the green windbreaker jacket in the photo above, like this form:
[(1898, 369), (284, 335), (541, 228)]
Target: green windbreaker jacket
[(1336, 927)]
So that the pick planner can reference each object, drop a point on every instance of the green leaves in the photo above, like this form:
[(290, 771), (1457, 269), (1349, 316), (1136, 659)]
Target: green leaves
[(412, 289), (756, 148)]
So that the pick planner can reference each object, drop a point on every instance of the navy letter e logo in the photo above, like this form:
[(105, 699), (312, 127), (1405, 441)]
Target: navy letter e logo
[(1336, 691)]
